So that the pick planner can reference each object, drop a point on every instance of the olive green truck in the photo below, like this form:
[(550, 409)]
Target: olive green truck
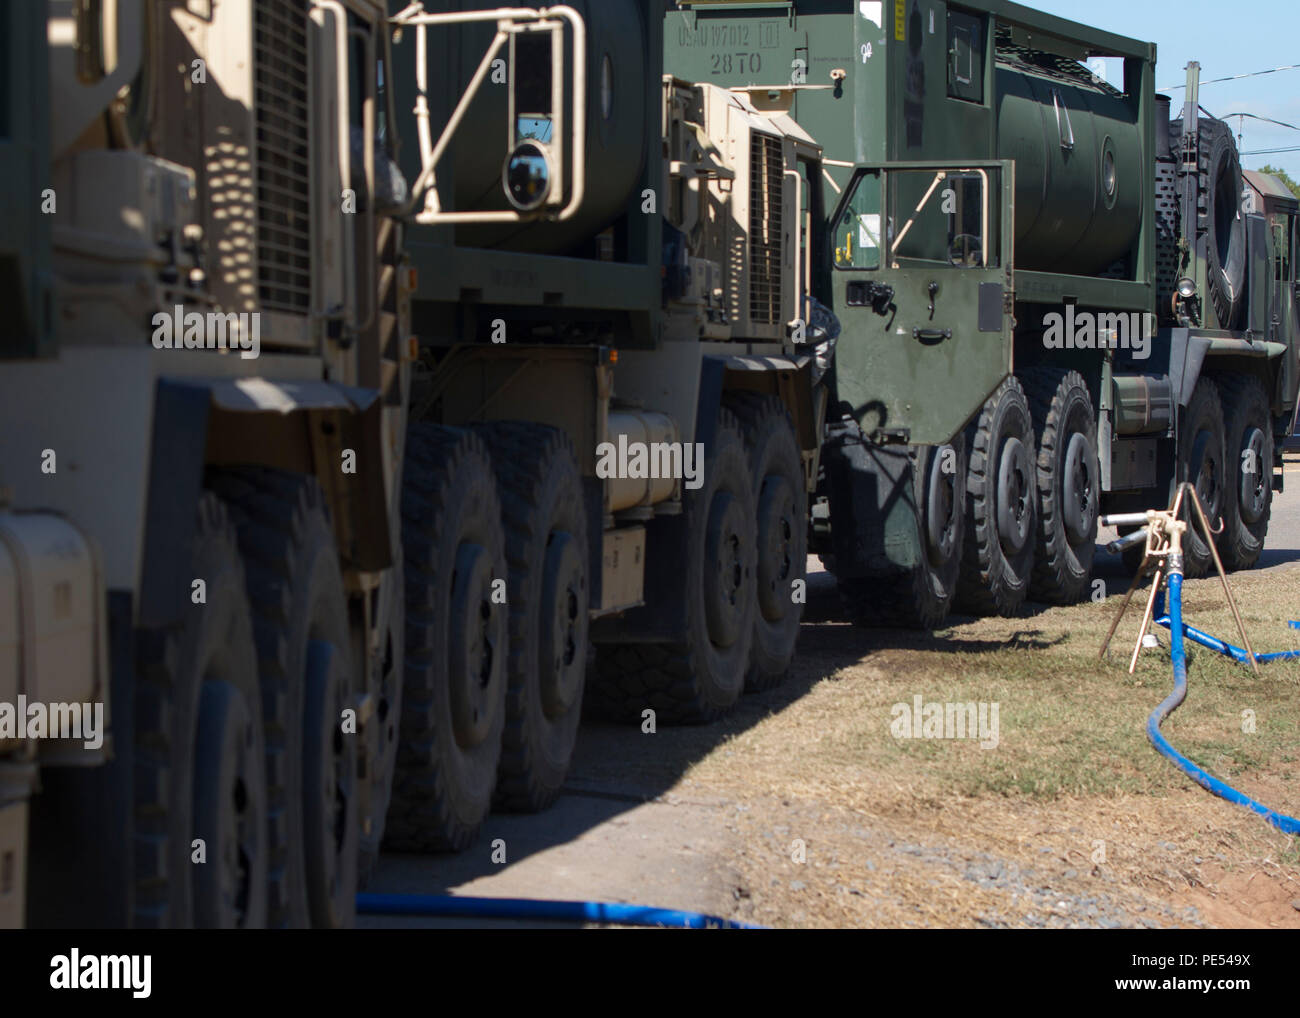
[(1055, 301)]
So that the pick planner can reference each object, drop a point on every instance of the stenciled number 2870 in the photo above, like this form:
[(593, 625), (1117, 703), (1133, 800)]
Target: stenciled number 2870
[(737, 63)]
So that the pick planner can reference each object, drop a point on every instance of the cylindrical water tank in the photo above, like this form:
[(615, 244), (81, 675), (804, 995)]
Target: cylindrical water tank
[(1080, 170)]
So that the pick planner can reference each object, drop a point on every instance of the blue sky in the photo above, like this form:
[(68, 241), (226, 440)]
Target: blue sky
[(1227, 38)]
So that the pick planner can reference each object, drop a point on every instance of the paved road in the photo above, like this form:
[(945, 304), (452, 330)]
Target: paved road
[(1283, 547), (1281, 550)]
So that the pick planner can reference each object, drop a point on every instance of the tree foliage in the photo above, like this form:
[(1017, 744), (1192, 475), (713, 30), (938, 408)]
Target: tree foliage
[(1283, 176)]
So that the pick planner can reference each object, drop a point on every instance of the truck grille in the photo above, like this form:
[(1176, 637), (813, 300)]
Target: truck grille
[(765, 229), (283, 148)]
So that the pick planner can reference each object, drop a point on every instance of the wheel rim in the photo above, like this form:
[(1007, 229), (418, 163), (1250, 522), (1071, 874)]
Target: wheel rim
[(942, 508), (329, 788), (776, 538), (724, 574), (1254, 483), (561, 653), (1014, 509), (228, 807), (1207, 478), (475, 636), (1079, 490)]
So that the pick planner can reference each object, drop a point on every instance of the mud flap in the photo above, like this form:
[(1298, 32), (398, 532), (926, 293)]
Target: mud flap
[(873, 511)]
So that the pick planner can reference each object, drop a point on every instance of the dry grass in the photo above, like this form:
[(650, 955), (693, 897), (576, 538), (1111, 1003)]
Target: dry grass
[(1072, 770)]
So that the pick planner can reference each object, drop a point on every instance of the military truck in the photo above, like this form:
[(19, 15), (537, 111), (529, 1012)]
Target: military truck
[(321, 478), (331, 462), (611, 262), (1055, 301), (205, 400)]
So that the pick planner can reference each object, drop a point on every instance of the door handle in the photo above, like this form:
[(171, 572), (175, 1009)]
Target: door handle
[(877, 296)]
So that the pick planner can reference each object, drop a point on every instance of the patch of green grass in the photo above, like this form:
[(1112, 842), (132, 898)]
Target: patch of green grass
[(1070, 724)]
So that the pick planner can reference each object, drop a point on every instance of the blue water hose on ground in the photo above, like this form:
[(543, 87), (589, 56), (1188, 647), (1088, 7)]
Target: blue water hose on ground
[(1174, 622), (1237, 654), (449, 907)]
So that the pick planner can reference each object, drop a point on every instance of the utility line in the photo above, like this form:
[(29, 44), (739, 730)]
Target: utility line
[(1237, 77), (1270, 120)]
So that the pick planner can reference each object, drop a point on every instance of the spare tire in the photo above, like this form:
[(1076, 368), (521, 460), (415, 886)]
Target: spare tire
[(1218, 218), (1224, 226)]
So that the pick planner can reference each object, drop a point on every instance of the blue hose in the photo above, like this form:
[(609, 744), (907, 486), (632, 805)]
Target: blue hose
[(1286, 824), (448, 907), (1237, 654)]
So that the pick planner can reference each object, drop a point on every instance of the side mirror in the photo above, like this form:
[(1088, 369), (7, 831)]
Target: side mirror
[(535, 168)]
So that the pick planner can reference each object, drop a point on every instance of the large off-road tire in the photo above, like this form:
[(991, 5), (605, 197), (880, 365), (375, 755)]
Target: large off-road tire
[(780, 492), (1218, 218), (546, 552), (1001, 506), (1201, 461), (1068, 484), (1224, 225), (1248, 496), (307, 677), (700, 674), (920, 597), (382, 729), (454, 698), (200, 754)]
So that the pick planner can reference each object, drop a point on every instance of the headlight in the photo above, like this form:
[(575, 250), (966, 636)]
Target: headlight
[(1187, 288)]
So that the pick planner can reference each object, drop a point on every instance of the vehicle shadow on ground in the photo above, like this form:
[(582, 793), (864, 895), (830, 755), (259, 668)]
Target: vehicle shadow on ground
[(618, 768), (1271, 557), (1115, 574)]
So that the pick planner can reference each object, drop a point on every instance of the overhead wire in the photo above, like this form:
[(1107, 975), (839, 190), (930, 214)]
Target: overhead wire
[(1237, 77)]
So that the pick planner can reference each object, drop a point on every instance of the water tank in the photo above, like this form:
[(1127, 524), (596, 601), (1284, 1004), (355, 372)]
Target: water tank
[(618, 83), (1080, 171)]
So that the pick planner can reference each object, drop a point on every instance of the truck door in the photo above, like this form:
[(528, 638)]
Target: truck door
[(922, 280)]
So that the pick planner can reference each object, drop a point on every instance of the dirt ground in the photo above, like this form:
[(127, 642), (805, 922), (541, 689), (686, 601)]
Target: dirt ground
[(821, 804)]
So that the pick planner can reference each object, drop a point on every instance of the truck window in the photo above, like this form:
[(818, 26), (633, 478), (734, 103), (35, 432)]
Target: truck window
[(941, 218), (857, 233), (965, 57), (1283, 232), (533, 88)]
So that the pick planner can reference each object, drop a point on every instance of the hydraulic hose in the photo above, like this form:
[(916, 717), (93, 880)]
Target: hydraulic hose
[(1174, 622), (449, 907)]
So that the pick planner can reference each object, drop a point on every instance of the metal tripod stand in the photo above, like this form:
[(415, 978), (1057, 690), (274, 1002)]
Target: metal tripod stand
[(1163, 533)]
